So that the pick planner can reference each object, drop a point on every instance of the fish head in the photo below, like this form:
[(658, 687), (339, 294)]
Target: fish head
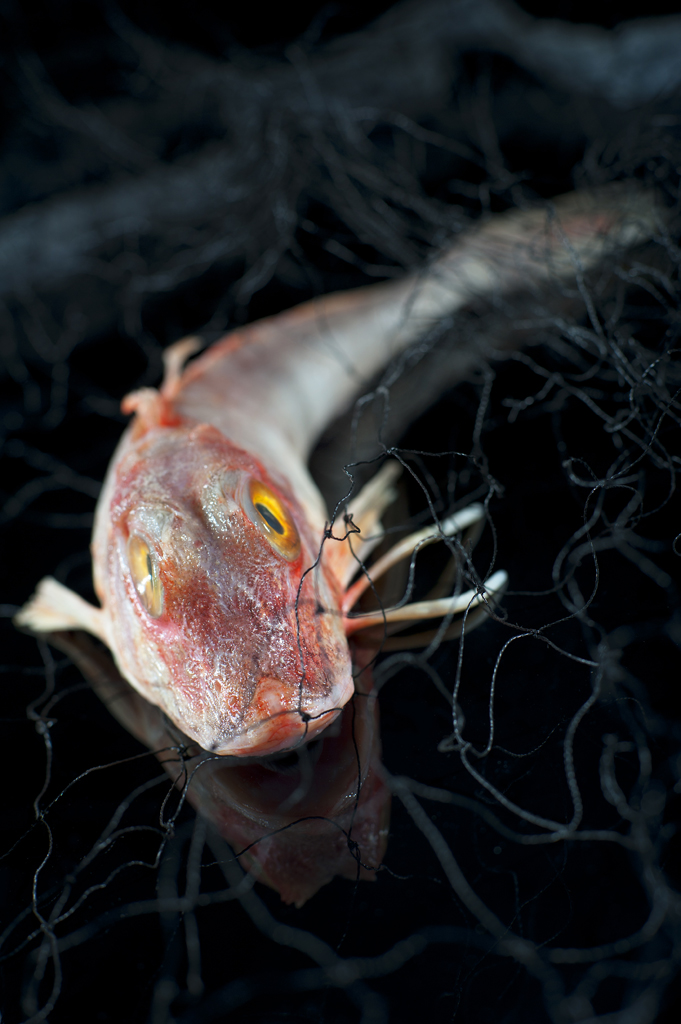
[(220, 608)]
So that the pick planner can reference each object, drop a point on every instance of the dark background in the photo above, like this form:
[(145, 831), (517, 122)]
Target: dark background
[(171, 172)]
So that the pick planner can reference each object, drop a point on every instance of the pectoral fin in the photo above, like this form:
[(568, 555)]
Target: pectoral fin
[(54, 607)]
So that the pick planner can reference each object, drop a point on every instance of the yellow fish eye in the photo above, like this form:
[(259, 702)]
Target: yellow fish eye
[(144, 572), (275, 521)]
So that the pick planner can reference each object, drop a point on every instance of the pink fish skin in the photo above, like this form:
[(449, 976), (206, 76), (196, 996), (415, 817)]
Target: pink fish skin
[(234, 645), (249, 654), (243, 657)]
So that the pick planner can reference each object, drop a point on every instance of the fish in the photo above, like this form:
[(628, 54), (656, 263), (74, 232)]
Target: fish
[(227, 591)]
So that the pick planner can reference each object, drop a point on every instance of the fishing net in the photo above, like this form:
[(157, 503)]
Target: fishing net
[(163, 178)]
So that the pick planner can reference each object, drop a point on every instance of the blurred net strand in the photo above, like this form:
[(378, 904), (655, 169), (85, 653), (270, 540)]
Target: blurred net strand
[(246, 88)]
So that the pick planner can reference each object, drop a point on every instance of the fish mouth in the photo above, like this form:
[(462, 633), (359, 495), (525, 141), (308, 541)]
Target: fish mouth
[(271, 724), (283, 731)]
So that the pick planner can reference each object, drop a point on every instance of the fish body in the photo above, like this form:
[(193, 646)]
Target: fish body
[(222, 586)]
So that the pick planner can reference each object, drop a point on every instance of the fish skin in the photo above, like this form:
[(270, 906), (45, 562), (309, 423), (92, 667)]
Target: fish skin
[(236, 623), (253, 404), (250, 657)]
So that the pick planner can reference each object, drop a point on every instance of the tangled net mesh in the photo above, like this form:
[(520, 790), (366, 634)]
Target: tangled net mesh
[(532, 867)]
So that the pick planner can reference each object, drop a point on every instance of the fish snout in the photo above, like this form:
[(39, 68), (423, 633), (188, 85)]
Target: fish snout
[(277, 719)]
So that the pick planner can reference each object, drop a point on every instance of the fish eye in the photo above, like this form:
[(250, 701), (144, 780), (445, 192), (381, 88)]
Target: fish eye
[(275, 521), (144, 572)]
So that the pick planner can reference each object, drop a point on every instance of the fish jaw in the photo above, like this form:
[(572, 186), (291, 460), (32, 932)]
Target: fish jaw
[(291, 828), (248, 656), (269, 727), (338, 825)]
